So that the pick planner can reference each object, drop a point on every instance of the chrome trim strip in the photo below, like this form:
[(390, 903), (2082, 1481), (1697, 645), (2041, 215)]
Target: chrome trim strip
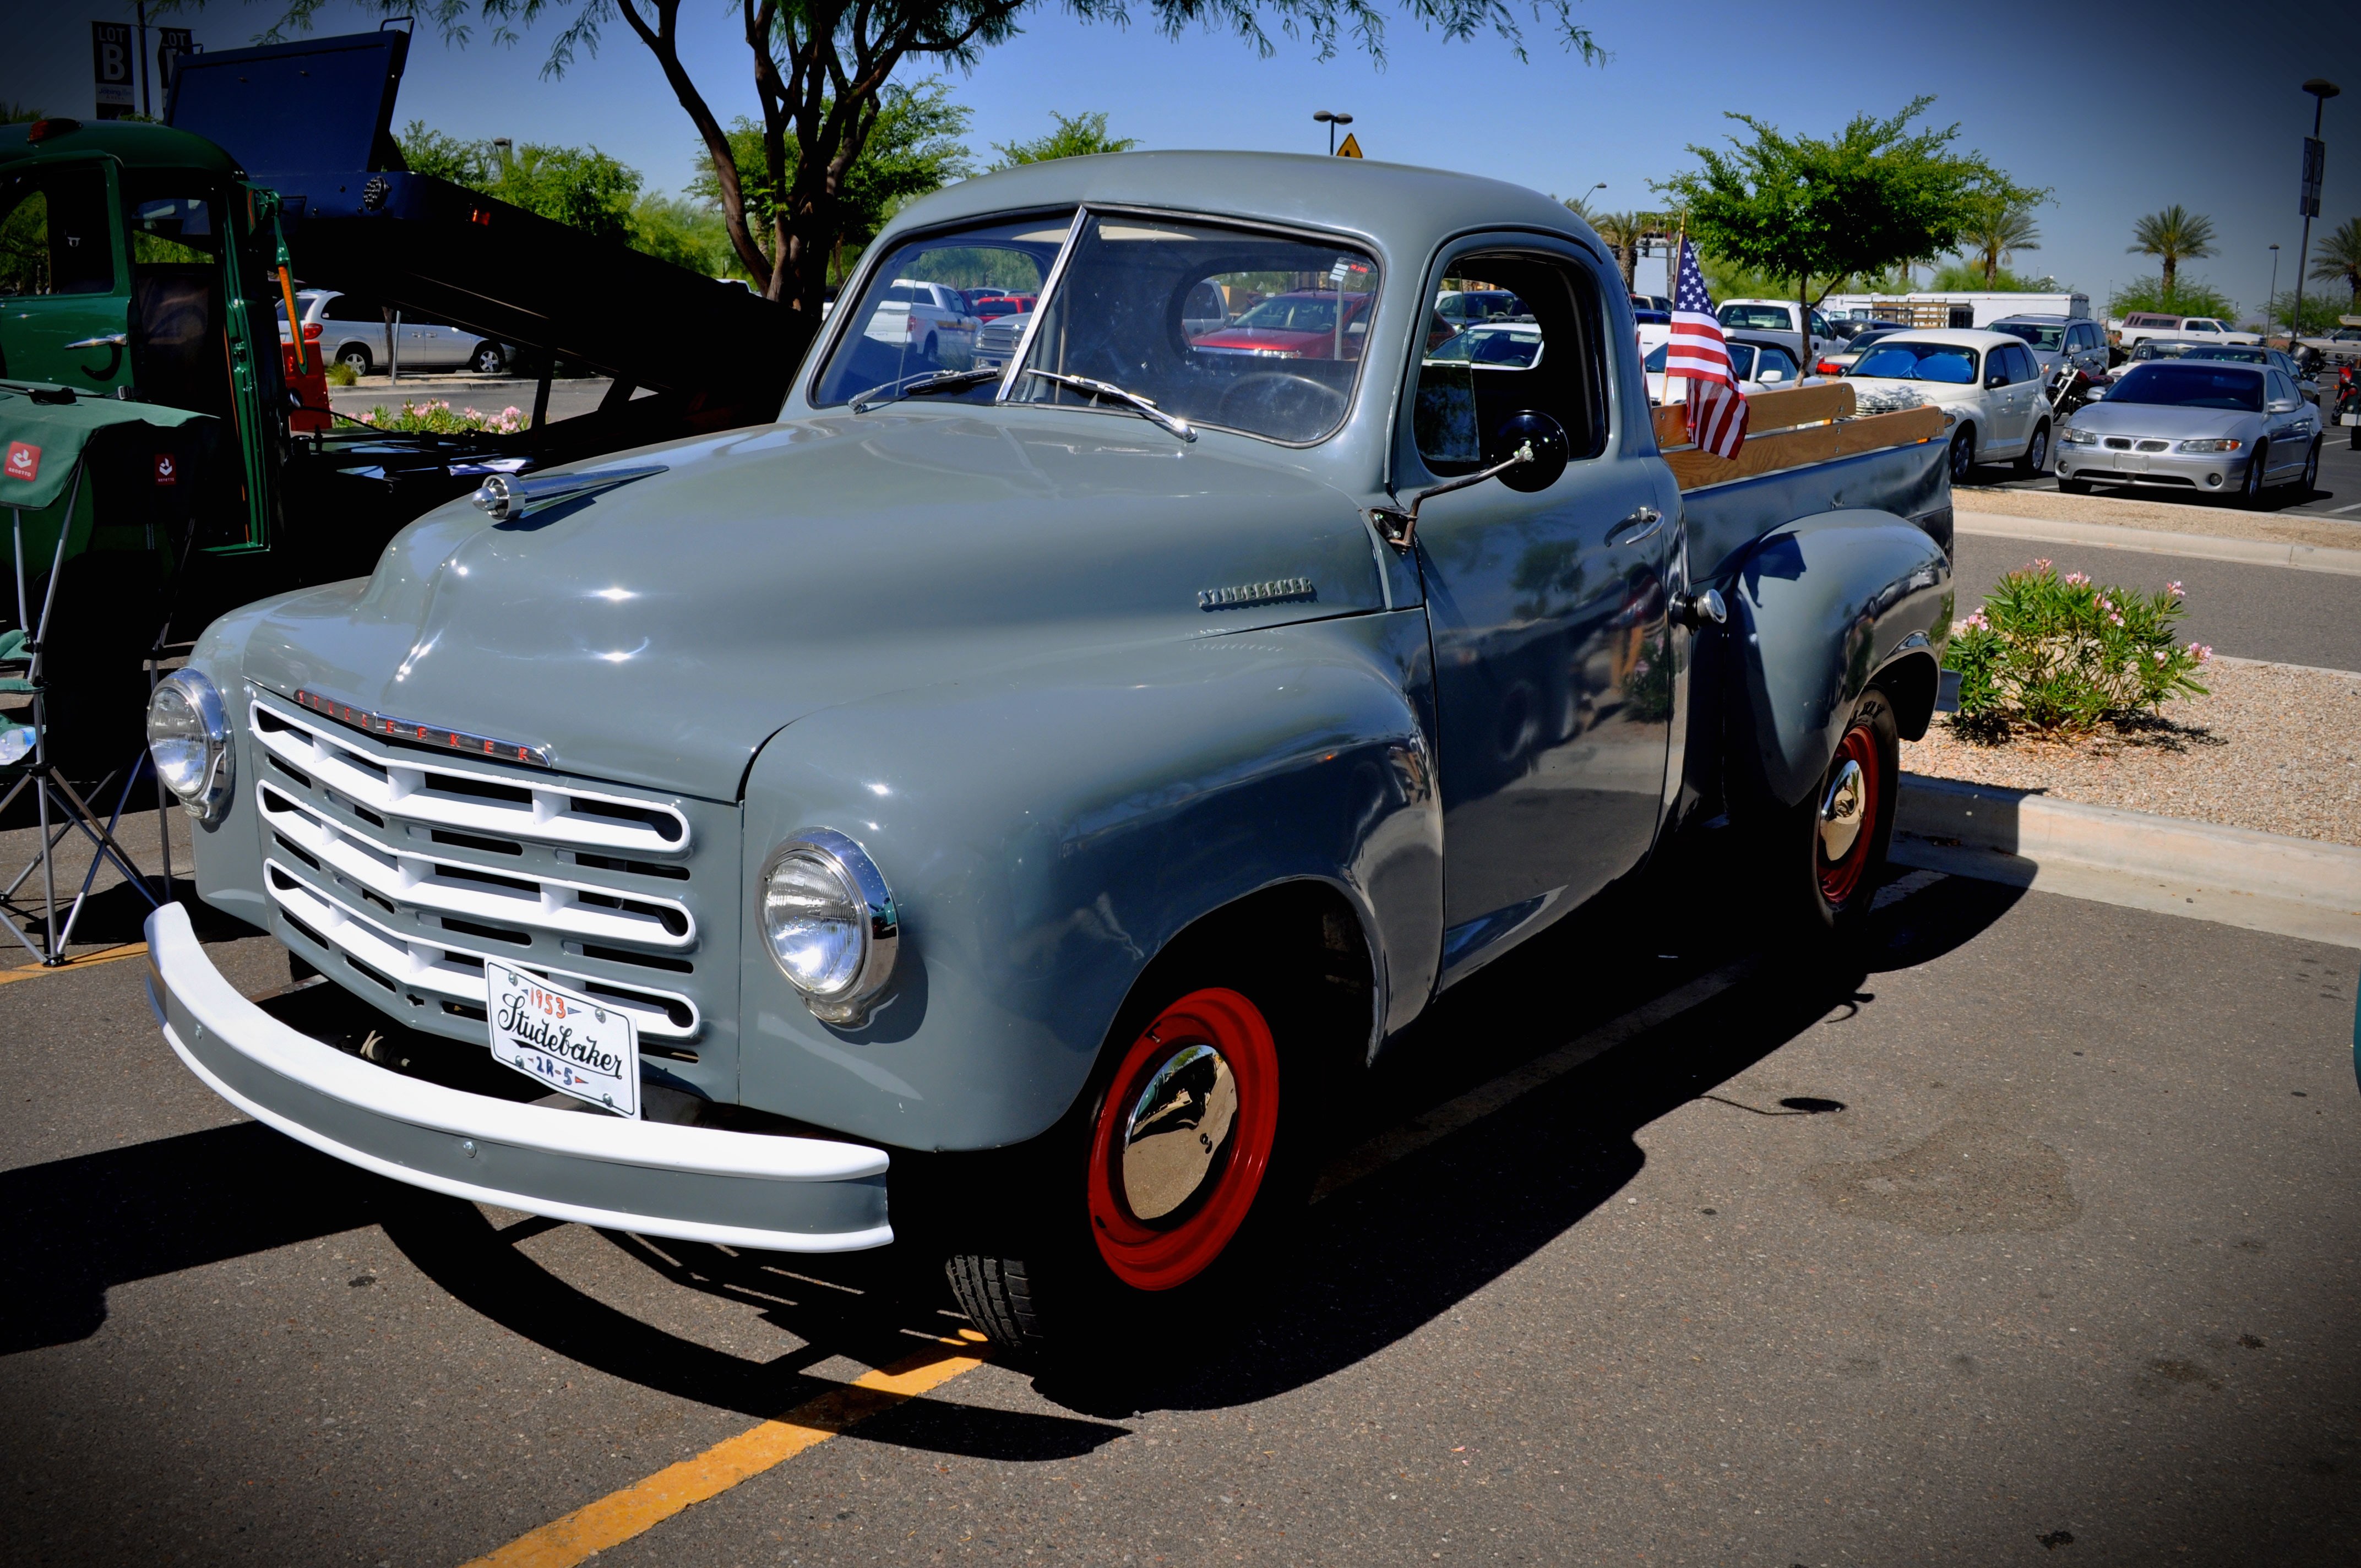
[(1023, 348)]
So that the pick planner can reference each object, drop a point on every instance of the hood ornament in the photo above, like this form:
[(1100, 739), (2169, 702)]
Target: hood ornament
[(503, 496)]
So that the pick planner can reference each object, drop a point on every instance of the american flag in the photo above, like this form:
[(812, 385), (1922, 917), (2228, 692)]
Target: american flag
[(1717, 409)]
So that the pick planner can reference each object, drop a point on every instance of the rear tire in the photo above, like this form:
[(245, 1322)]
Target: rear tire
[(489, 360), (1822, 858), (2310, 486), (2035, 460)]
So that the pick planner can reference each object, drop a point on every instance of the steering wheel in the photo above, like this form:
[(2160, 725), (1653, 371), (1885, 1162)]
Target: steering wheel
[(1283, 399)]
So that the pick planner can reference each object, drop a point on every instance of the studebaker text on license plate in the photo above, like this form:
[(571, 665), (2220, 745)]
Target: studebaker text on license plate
[(573, 1043)]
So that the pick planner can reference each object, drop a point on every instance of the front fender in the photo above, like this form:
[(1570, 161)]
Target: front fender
[(1820, 607), (1046, 831)]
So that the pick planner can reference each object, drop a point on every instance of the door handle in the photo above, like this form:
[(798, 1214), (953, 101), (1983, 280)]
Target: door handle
[(1643, 522), (112, 340)]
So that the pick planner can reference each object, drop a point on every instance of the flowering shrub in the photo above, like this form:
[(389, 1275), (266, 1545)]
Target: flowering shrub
[(439, 419), (2060, 653)]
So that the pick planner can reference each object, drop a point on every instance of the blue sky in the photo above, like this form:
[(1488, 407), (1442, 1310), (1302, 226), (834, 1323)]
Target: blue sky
[(2121, 107)]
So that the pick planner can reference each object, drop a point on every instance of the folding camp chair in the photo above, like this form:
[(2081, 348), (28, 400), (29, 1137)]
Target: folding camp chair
[(32, 768)]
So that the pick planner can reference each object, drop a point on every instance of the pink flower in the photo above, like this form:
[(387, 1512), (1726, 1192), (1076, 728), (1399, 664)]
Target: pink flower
[(2077, 578), (2116, 619), (2160, 655), (2205, 653), (2041, 563), (2172, 588)]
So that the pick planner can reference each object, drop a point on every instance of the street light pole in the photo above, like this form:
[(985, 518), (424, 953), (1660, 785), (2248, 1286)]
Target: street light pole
[(1332, 121), (2321, 91), (2273, 295)]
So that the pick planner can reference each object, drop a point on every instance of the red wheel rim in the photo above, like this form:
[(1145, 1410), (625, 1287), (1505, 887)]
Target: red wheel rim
[(1157, 1257), (1841, 874)]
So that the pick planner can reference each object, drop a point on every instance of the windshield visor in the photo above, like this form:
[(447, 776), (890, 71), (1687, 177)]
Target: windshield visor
[(913, 318), (2190, 384), (1253, 332), (1945, 362)]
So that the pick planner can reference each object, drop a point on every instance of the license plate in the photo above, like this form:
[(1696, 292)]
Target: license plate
[(571, 1042)]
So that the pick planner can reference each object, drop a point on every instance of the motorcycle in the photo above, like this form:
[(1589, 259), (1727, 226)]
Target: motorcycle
[(2071, 388), (2348, 400)]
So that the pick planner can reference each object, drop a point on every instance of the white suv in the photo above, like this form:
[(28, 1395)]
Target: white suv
[(930, 318)]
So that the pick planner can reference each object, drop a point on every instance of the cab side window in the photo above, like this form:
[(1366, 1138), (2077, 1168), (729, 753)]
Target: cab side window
[(1548, 360), (54, 237)]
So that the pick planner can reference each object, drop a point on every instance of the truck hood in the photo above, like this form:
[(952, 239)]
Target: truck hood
[(659, 633)]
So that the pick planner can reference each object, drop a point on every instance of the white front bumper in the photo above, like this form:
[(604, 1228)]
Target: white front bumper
[(786, 1194)]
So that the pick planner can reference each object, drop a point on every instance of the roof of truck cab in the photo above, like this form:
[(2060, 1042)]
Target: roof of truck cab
[(132, 143), (1401, 207)]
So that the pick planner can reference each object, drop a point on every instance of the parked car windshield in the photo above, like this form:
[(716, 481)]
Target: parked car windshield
[(1901, 360), (1756, 318), (2238, 352), (2034, 333), (2189, 385), (1741, 360)]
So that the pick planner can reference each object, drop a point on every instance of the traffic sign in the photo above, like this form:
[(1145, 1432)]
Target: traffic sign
[(1351, 148), (112, 56)]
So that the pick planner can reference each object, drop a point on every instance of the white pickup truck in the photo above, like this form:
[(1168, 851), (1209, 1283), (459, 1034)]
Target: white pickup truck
[(2141, 326)]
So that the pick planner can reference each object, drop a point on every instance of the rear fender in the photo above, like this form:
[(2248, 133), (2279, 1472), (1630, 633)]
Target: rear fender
[(1047, 833), (1819, 609)]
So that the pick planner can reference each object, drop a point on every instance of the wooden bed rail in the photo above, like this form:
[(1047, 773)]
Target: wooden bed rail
[(1789, 430)]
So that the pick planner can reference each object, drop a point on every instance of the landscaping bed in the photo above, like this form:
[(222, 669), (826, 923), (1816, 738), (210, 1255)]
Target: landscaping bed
[(2275, 748)]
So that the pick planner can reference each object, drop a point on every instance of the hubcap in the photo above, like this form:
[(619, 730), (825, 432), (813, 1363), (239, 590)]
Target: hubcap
[(1175, 1131), (1842, 812)]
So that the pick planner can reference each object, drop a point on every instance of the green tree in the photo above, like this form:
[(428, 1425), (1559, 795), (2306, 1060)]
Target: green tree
[(1625, 233), (16, 114), (1807, 211), (2320, 313), (1077, 136), (2183, 298), (425, 151), (1967, 277), (2173, 235), (2340, 259), (686, 231), (914, 147), (2002, 226), (820, 70)]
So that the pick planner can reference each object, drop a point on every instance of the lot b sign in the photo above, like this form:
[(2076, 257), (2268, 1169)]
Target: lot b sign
[(112, 56)]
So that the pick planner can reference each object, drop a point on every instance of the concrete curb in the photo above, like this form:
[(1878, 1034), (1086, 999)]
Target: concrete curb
[(2158, 541), (2295, 887)]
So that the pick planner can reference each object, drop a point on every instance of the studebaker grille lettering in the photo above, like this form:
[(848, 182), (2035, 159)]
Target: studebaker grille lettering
[(1256, 593), (411, 732)]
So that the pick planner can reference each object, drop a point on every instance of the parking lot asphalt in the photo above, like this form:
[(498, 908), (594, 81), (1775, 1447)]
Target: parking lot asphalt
[(2283, 613), (2032, 1229)]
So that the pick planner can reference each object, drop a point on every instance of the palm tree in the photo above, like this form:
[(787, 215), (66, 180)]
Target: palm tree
[(2173, 235), (2001, 228), (2340, 257), (1624, 234)]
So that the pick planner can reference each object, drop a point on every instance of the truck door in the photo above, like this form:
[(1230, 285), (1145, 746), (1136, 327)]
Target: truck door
[(1547, 609), (65, 289)]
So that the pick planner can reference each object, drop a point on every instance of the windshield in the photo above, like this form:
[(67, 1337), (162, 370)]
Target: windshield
[(1901, 360), (1757, 318), (2228, 351), (2044, 337), (1231, 327), (2190, 385)]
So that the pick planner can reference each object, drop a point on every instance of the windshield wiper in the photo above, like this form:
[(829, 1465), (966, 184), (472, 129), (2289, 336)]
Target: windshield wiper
[(1145, 407), (925, 382)]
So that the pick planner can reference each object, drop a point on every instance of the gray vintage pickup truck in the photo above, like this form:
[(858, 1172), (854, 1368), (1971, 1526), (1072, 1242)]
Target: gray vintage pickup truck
[(1010, 798)]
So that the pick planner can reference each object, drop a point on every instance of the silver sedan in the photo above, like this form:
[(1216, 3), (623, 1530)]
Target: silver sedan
[(2212, 427)]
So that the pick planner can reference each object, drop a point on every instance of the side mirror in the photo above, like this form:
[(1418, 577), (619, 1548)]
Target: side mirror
[(1534, 464), (1997, 378)]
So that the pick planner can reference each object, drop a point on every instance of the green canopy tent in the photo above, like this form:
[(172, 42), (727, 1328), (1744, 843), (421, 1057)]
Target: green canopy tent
[(100, 483)]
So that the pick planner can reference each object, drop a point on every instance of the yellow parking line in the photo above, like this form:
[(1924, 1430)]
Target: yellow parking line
[(103, 956), (619, 1515)]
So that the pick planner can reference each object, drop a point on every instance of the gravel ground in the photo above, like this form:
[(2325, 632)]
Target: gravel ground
[(2273, 747)]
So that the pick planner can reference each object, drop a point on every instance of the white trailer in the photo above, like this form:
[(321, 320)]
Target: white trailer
[(1978, 309)]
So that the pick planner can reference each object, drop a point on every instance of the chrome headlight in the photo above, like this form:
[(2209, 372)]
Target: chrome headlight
[(2075, 435), (187, 740), (830, 921), (2225, 443)]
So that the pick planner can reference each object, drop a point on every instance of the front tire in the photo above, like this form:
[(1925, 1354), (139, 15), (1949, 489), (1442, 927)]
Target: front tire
[(2250, 494), (1194, 1145), (2310, 486), (1963, 453)]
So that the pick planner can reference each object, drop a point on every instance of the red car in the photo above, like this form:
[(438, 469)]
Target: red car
[(987, 304), (1297, 325)]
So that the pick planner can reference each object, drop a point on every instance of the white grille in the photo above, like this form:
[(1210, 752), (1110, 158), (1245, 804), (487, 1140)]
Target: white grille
[(416, 877), (456, 973), (440, 794)]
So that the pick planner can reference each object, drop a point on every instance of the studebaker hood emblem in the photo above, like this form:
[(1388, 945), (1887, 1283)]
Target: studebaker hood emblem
[(1256, 593), (417, 734)]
